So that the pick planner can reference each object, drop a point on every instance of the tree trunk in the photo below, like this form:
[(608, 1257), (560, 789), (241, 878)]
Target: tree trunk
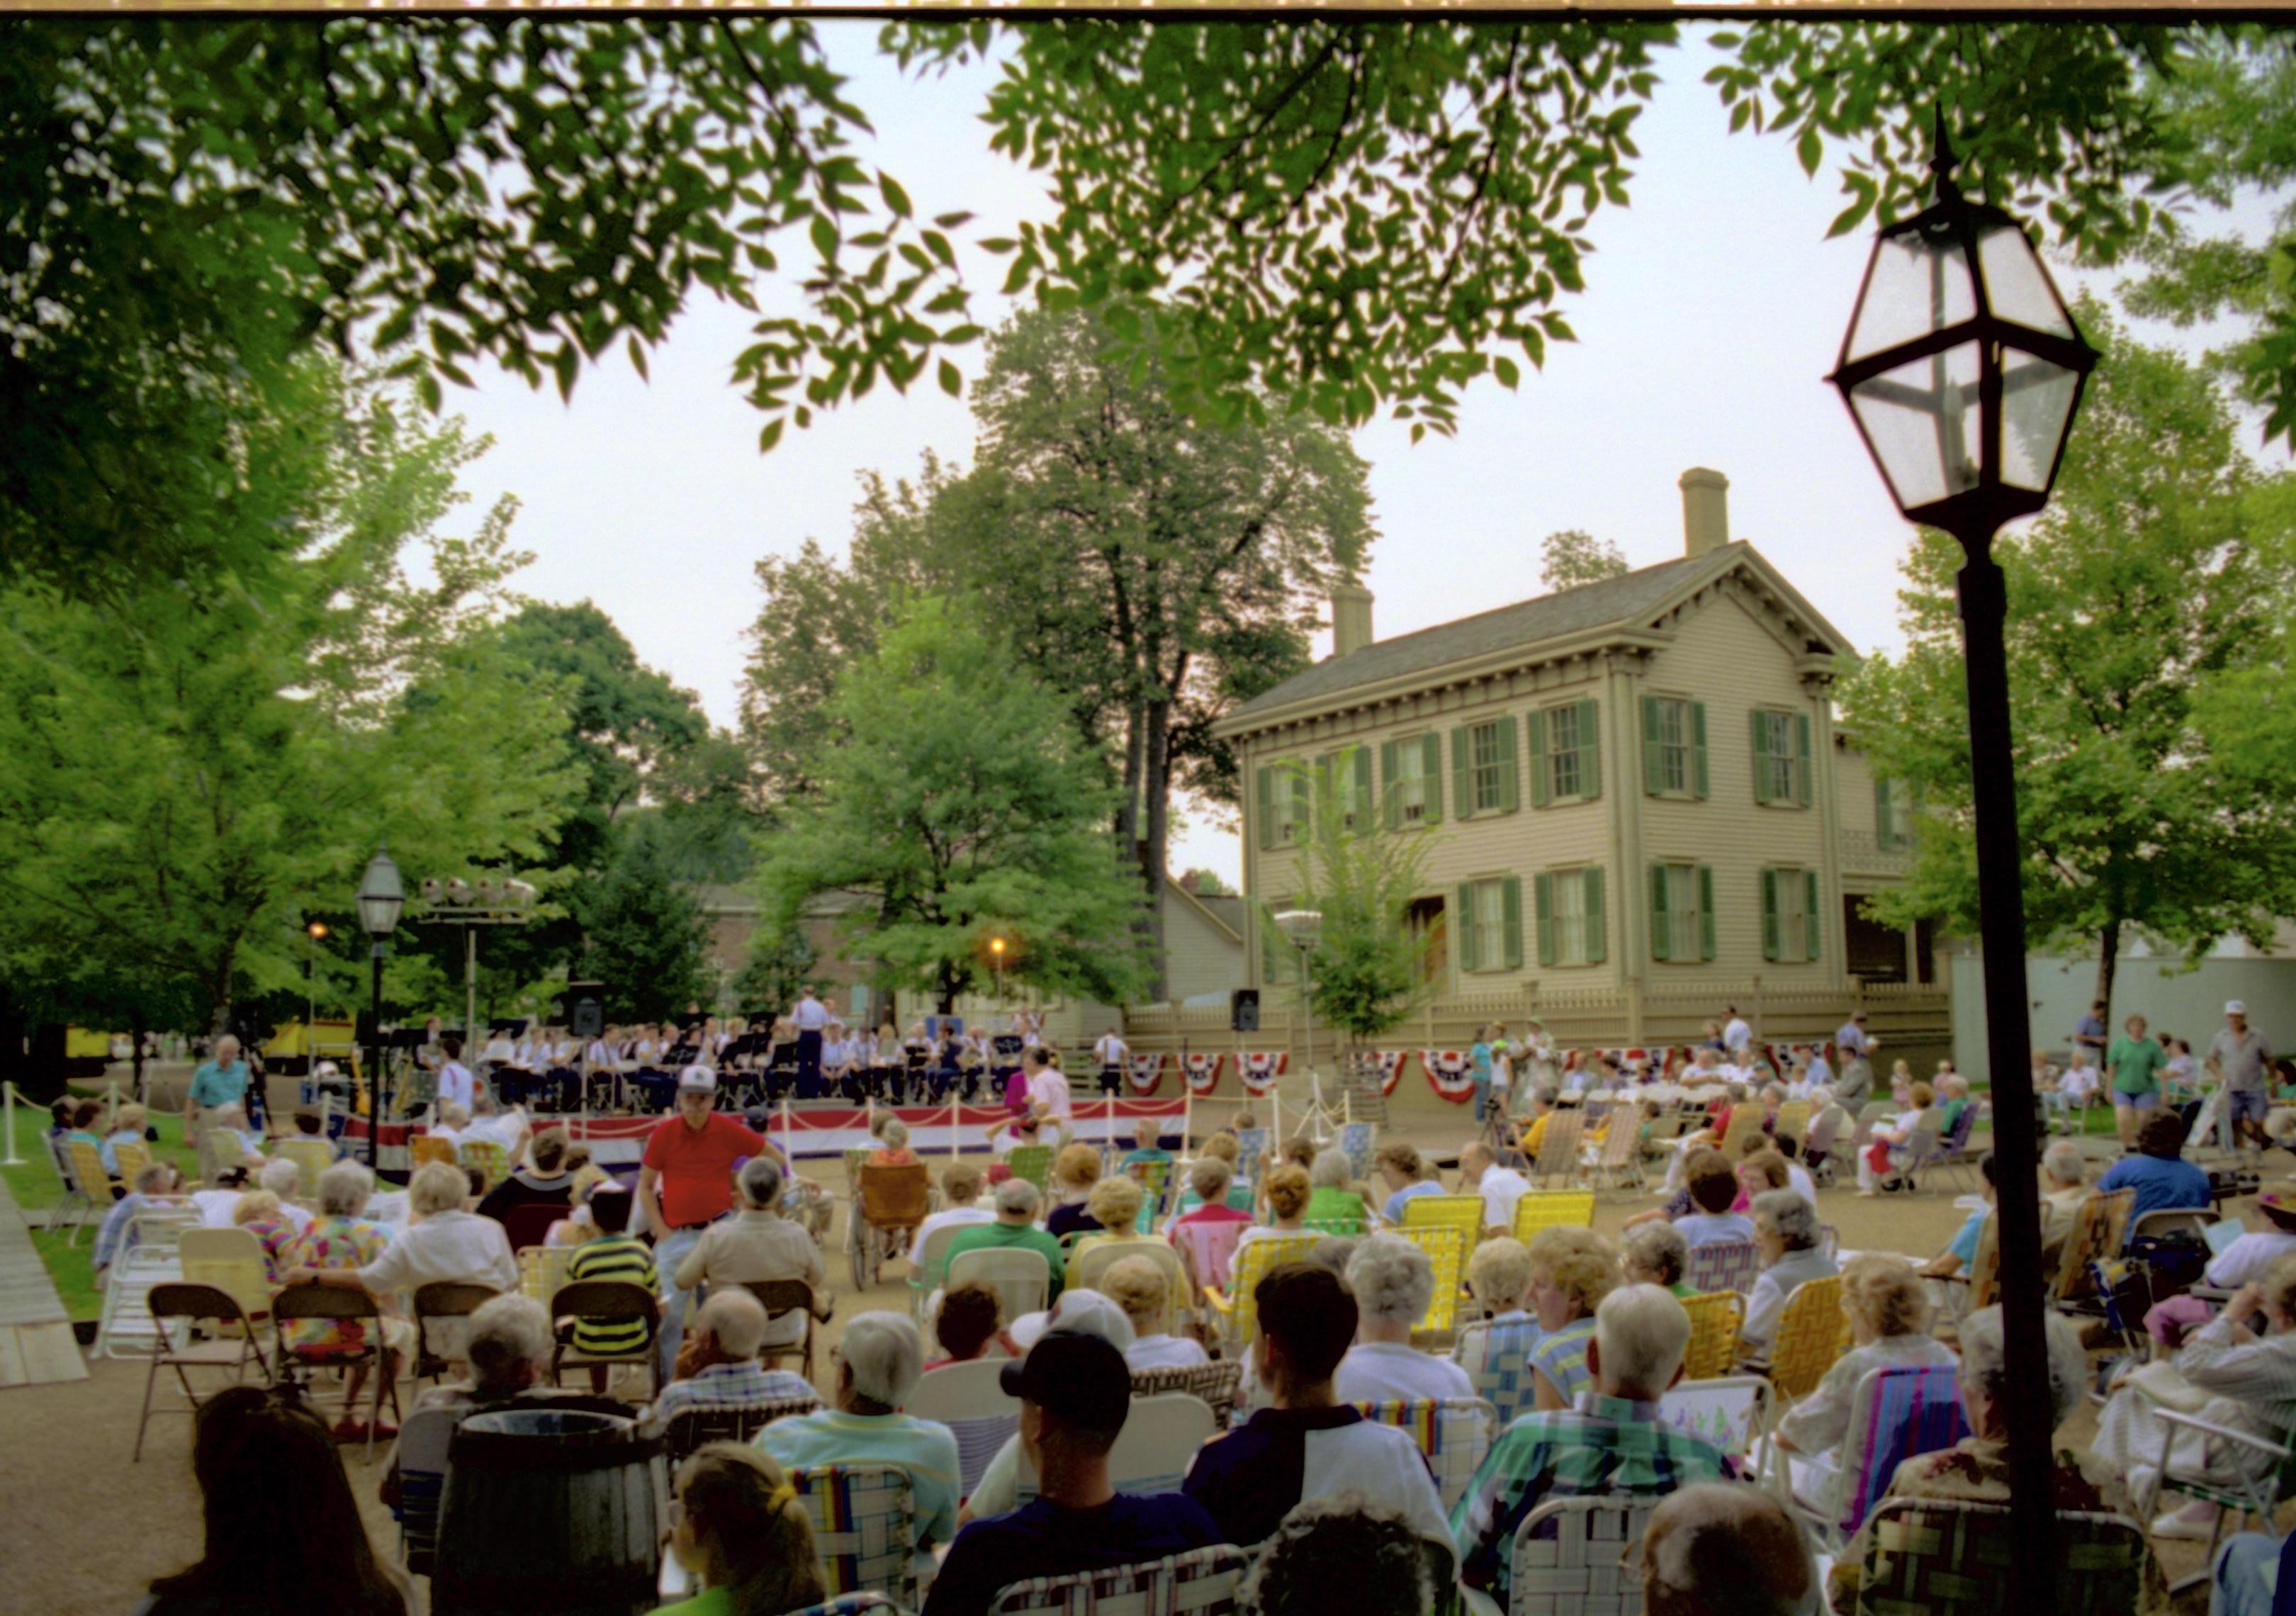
[(136, 1026), (1155, 847), (2108, 965)]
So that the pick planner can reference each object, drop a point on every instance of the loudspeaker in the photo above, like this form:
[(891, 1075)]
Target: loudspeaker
[(1244, 1010), (582, 1008)]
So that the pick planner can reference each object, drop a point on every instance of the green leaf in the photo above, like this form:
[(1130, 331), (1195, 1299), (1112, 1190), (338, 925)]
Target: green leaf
[(952, 380), (1507, 371), (1811, 148), (896, 199)]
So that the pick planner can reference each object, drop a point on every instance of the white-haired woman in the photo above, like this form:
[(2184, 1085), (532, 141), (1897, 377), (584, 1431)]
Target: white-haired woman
[(1976, 1468), (1145, 1291), (1393, 1281), (1889, 1311), (443, 1241), (339, 1239), (2249, 1381), (1786, 1234), (1496, 1352), (1656, 1254)]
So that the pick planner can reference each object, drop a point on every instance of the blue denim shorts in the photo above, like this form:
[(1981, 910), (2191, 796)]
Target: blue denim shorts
[(2148, 1100)]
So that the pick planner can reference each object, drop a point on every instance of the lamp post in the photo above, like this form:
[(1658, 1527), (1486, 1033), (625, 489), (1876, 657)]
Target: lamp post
[(380, 896), (318, 932), (996, 956), (1962, 369), (1304, 928)]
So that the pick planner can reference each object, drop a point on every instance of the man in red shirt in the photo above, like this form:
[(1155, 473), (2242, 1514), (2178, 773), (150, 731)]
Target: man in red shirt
[(685, 1182)]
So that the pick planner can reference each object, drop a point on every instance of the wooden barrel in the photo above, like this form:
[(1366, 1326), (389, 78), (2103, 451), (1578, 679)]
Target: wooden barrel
[(548, 1510)]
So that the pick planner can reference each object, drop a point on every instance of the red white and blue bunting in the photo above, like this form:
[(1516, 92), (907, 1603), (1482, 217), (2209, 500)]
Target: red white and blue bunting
[(1390, 1069), (1782, 1055), (1451, 1072), (1201, 1072), (1258, 1070), (1147, 1072)]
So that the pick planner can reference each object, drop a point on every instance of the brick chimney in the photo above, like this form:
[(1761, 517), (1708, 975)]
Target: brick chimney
[(1705, 512), (1351, 618)]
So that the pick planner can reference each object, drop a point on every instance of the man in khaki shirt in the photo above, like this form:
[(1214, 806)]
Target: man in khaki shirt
[(758, 1244)]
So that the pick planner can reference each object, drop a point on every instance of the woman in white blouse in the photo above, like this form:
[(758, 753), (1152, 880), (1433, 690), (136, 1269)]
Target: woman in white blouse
[(1889, 1311)]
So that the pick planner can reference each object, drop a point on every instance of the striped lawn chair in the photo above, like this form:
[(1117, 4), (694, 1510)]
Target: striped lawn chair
[(1497, 1356), (1946, 1558), (1544, 1208), (1155, 1181), (1201, 1582), (1810, 1337), (1569, 1557), (487, 1157), (1454, 1432), (972, 1401), (1724, 1265), (1897, 1414), (1618, 1162), (862, 1528), (1216, 1383), (1558, 1149), (1236, 1308), (1714, 1319), (1446, 1246)]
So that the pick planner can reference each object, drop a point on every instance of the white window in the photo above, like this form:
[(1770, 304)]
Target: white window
[(1410, 782), (1488, 774), (1682, 919), (1673, 744), (1569, 888), (1562, 744), (1488, 915), (1776, 762)]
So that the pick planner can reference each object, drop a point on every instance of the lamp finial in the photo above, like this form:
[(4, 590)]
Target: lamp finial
[(1943, 161)]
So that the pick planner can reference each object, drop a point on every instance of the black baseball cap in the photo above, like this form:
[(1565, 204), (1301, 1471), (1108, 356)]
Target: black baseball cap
[(1078, 1376)]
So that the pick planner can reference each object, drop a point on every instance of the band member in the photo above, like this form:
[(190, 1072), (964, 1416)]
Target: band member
[(1112, 1052)]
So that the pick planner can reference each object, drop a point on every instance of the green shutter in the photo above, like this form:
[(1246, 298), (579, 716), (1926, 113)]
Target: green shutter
[(1542, 892), (1653, 757), (1761, 726), (1662, 938), (1267, 798), (1598, 940), (1467, 960), (1706, 911), (1463, 773), (1430, 774), (1541, 787), (1391, 813), (1590, 754), (1510, 789), (1363, 799), (1511, 929), (1769, 915), (1303, 802), (1698, 750), (1809, 910), (1801, 759)]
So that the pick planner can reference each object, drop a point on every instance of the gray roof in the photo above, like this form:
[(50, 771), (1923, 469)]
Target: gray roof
[(1546, 617)]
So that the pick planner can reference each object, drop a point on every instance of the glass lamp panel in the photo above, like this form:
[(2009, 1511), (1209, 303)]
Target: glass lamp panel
[(2037, 401), (2015, 283), (1916, 286), (1921, 420), (380, 896)]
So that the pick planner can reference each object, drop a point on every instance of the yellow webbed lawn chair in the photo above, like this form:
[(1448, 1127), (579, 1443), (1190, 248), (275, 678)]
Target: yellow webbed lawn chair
[(1546, 1209), (1714, 1320), (1237, 1312)]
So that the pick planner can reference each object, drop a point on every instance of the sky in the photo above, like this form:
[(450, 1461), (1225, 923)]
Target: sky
[(1714, 308)]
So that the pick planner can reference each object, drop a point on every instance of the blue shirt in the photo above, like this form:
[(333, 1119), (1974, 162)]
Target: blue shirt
[(1964, 1246), (1393, 1211), (926, 1449), (213, 1085), (2159, 1184), (1042, 1540)]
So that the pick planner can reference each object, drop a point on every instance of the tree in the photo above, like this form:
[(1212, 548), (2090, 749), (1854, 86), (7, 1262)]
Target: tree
[(1369, 968), (961, 806), (780, 963), (643, 931), (196, 774), (1574, 556), (2149, 593), (1206, 883)]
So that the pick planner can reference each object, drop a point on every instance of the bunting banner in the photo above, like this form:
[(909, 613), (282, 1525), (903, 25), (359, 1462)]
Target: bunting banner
[(1451, 1072), (1147, 1073), (1390, 1069), (1781, 1057), (1202, 1072), (1258, 1071)]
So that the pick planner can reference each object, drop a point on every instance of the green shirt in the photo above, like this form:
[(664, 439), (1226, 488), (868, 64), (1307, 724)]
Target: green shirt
[(713, 1602), (1000, 1236), (2137, 1064)]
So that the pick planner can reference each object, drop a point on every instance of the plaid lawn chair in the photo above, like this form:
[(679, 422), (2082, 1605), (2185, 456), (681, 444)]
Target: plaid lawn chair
[(487, 1157), (1216, 1383), (692, 1428), (1454, 1432), (1358, 1143), (863, 1525), (1236, 1308), (1724, 1265), (1463, 1212), (1033, 1162), (1201, 1582), (1496, 1358), (1940, 1557)]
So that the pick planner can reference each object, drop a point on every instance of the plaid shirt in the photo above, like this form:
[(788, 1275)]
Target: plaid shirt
[(726, 1386), (1606, 1445)]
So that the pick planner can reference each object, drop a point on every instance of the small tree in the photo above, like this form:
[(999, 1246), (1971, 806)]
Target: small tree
[(1369, 967), (643, 931), (1206, 883), (780, 963), (1575, 556)]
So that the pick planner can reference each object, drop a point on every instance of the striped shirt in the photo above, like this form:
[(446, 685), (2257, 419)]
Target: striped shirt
[(1606, 1445), (1561, 1353), (616, 1256), (723, 1386)]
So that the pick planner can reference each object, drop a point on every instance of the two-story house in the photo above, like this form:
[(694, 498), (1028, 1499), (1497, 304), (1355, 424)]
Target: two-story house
[(1639, 804)]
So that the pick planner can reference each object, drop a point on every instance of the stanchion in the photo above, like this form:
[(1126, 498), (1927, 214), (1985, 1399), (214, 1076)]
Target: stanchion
[(789, 1136), (1110, 1101), (8, 1096), (953, 1132), (1275, 1130)]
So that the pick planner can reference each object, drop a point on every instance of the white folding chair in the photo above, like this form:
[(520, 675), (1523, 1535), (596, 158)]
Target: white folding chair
[(971, 1400), (1569, 1559), (1158, 1443), (1022, 1280)]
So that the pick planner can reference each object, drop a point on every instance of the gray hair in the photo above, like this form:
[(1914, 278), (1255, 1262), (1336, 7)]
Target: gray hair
[(1331, 1171), (1985, 1362), (1642, 1333), (761, 1181), (152, 1177), (455, 1114), (886, 1354), (482, 1103), (1335, 1251), (344, 1189), (1792, 1218), (505, 1333), (2062, 1162), (736, 1319), (437, 1187), (1657, 1248), (895, 1134), (1392, 1278), (282, 1177), (1704, 1538), (1017, 1198)]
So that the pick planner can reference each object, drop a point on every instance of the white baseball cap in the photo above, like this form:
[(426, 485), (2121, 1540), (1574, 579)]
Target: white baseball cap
[(2234, 1007), (697, 1079)]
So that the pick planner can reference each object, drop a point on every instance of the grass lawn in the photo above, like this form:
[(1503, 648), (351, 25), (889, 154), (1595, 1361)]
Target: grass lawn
[(34, 1186)]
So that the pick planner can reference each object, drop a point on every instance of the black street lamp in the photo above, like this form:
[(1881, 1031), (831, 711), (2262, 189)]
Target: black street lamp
[(380, 896), (1962, 369)]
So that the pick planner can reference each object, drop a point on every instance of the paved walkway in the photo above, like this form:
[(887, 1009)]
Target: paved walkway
[(37, 1345)]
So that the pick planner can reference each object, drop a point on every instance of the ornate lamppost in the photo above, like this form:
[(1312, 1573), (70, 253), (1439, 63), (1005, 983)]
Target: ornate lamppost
[(380, 896)]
